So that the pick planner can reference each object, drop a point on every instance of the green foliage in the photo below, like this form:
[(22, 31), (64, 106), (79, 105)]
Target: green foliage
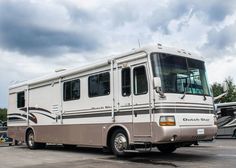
[(3, 114), (218, 89)]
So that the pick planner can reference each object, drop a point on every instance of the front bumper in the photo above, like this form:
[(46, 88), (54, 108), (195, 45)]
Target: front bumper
[(167, 134)]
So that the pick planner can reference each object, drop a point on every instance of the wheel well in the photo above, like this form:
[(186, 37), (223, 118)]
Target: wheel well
[(110, 132), (26, 132)]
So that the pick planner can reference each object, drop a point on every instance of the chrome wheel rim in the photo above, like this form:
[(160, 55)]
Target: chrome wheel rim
[(31, 139), (120, 142)]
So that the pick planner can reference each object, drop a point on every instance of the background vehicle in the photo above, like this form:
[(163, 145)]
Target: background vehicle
[(3, 126), (226, 119), (3, 133)]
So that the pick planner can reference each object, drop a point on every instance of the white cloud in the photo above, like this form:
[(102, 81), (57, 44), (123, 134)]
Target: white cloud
[(15, 68), (220, 69)]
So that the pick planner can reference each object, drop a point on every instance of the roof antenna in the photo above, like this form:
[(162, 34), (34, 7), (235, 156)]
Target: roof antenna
[(139, 44)]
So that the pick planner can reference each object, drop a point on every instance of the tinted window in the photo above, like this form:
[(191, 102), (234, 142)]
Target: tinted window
[(126, 87), (227, 112), (99, 85), (174, 73), (71, 90), (180, 74), (198, 81), (140, 80), (20, 99)]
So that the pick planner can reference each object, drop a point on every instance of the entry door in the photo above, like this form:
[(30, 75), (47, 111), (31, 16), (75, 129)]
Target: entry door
[(133, 97), (141, 100)]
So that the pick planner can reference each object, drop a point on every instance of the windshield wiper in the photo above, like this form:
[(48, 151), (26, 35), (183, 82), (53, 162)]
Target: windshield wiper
[(204, 97), (186, 89)]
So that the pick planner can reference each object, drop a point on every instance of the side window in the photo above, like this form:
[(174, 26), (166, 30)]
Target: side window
[(140, 80), (71, 90), (125, 79), (99, 85), (20, 99)]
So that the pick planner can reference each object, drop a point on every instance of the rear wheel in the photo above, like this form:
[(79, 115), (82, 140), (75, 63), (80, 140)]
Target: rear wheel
[(166, 148), (30, 141), (119, 142)]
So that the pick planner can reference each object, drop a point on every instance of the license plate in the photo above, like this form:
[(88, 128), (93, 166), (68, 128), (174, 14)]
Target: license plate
[(200, 131)]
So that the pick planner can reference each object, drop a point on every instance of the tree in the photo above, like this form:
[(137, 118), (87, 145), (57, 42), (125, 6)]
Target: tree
[(3, 114), (218, 89)]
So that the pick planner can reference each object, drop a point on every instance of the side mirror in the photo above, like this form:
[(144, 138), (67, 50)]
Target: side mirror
[(225, 87), (157, 83), (157, 86)]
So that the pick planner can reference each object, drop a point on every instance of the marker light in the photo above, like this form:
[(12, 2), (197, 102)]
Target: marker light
[(167, 121)]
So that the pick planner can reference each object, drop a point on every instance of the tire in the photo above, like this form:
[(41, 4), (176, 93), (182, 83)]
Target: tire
[(31, 143), (119, 142), (167, 148), (234, 135), (68, 146), (16, 142)]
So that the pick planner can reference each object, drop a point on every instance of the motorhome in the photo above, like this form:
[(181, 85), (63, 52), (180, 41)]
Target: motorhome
[(226, 119), (154, 96)]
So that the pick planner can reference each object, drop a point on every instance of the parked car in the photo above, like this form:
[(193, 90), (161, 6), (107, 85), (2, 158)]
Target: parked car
[(4, 124), (3, 133)]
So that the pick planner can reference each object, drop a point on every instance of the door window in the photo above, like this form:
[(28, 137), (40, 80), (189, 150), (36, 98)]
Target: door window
[(140, 80)]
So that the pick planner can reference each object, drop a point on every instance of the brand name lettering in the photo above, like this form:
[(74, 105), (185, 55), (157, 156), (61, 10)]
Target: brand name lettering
[(196, 119)]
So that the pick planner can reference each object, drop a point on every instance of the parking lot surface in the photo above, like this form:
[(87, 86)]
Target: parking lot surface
[(219, 153)]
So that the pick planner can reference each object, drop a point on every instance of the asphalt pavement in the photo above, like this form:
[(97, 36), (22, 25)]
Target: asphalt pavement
[(219, 153)]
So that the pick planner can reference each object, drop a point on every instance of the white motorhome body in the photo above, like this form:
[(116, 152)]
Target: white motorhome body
[(154, 95)]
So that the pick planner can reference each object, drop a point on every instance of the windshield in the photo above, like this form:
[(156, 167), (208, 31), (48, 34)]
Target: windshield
[(180, 74)]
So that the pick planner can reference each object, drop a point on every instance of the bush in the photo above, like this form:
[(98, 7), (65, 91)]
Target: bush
[(3, 114)]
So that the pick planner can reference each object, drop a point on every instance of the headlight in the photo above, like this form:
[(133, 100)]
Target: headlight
[(167, 121)]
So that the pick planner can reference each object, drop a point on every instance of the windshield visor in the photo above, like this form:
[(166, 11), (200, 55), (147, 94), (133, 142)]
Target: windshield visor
[(180, 74)]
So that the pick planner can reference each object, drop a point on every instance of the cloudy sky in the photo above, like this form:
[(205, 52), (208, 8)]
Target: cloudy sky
[(39, 36)]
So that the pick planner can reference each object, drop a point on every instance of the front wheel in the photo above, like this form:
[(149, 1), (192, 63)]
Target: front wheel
[(119, 142), (30, 141), (167, 148)]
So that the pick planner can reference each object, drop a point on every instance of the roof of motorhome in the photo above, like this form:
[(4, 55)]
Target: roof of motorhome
[(153, 48)]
